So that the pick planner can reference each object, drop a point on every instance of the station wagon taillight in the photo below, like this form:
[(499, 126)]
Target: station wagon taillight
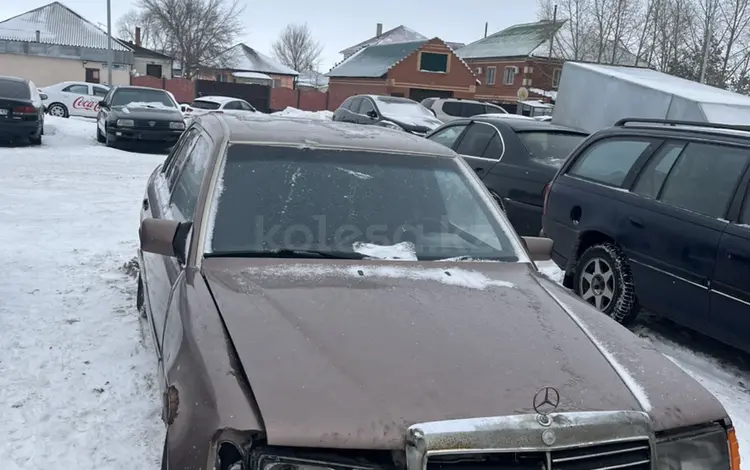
[(547, 187)]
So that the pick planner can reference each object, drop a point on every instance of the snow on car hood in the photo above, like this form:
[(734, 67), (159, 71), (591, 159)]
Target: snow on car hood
[(367, 348), (414, 122), (144, 112)]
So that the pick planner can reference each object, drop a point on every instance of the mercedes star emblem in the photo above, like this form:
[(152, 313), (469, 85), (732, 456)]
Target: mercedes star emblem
[(546, 401), (152, 123)]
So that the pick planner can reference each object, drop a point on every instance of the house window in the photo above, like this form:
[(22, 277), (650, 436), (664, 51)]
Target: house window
[(153, 70), (491, 75), (277, 83), (431, 62), (556, 77), (92, 75), (509, 76)]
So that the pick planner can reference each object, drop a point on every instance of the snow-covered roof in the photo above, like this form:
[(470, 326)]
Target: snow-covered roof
[(515, 41), (57, 25), (255, 75), (397, 34), (312, 78), (375, 61), (216, 99), (245, 58)]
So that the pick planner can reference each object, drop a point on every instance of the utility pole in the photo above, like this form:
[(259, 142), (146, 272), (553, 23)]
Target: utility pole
[(109, 43), (707, 41), (553, 29)]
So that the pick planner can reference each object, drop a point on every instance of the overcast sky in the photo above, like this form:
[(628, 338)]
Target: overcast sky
[(337, 24)]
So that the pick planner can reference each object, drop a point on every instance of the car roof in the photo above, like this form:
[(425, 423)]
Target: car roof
[(524, 125), (217, 99), (10, 78), (316, 133), (394, 99), (133, 87)]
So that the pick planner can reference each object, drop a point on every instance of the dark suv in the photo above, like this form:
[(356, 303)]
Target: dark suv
[(656, 213)]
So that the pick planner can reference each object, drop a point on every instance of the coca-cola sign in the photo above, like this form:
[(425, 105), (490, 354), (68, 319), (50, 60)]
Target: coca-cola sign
[(89, 105)]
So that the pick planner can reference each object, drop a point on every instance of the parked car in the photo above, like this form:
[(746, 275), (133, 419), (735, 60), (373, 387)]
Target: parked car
[(450, 109), (139, 114), (21, 110), (656, 214), (337, 326), (223, 104), (387, 111), (67, 99), (515, 158)]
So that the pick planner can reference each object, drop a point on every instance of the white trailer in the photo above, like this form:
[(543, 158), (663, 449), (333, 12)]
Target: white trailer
[(592, 96)]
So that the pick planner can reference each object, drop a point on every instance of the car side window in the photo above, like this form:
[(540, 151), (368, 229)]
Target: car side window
[(705, 178), (188, 184), (609, 161), (366, 106), (176, 161), (476, 139), (472, 109), (99, 91), (452, 108), (653, 175), (494, 149), (80, 89), (448, 135), (354, 105), (232, 105), (245, 106), (347, 104), (490, 109)]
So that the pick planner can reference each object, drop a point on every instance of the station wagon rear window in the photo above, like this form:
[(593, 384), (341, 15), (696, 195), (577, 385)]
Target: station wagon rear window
[(550, 148), (199, 104), (14, 89), (283, 198)]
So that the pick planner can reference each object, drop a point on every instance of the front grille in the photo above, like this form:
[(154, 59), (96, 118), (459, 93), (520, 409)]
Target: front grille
[(157, 124), (635, 455)]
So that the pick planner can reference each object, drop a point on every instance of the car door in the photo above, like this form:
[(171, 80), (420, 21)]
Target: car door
[(672, 228), (161, 271), (473, 144), (730, 286), (367, 113), (344, 112), (79, 100), (103, 112)]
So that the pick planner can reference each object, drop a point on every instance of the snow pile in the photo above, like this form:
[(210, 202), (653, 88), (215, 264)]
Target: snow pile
[(298, 113), (78, 382), (399, 251), (148, 104)]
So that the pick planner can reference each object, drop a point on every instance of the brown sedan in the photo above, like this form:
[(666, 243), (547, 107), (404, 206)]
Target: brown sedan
[(324, 296)]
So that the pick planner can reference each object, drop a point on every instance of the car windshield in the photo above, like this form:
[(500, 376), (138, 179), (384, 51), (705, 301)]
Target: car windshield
[(142, 98), (550, 148), (200, 104), (401, 107), (14, 89), (354, 204)]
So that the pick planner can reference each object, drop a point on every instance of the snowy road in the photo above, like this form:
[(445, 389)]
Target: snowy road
[(77, 374), (77, 384)]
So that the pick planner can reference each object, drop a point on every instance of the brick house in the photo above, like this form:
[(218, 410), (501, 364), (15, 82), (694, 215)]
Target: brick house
[(513, 58), (243, 64), (413, 69)]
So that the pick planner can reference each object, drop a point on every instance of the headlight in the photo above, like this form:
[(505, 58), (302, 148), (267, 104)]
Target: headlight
[(177, 125), (701, 449), (276, 462), (125, 123)]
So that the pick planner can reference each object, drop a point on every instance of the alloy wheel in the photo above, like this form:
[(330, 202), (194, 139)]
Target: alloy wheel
[(597, 283)]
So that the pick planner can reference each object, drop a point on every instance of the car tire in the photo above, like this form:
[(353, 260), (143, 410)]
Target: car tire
[(99, 137), (58, 109), (603, 280), (109, 142), (37, 140)]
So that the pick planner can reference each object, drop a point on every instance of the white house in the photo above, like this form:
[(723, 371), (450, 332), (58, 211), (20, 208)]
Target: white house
[(51, 44)]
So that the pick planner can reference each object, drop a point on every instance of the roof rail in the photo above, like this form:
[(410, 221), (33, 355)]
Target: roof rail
[(673, 122)]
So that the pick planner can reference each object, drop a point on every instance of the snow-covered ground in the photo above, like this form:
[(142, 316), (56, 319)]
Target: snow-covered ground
[(77, 372)]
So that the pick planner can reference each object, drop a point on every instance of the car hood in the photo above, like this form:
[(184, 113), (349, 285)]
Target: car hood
[(414, 123), (158, 114), (349, 354)]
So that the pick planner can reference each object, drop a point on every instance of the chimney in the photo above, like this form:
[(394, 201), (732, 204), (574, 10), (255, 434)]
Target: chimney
[(37, 35), (138, 36), (379, 30), (486, 25)]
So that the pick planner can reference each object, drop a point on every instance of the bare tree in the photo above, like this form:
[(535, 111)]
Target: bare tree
[(297, 49), (195, 32)]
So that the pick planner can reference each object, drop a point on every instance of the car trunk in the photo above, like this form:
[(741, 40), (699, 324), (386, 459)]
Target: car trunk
[(12, 109)]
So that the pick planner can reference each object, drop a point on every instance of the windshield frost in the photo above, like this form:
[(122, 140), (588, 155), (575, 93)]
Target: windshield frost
[(381, 206), (397, 108), (135, 97)]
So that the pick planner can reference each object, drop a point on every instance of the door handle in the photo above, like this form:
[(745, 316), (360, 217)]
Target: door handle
[(145, 204), (738, 253), (635, 221)]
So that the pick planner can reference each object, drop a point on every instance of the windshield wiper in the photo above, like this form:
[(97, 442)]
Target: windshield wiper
[(508, 258), (285, 253)]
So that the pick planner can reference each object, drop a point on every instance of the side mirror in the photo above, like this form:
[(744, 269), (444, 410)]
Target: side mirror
[(102, 104), (539, 248), (165, 237), (43, 96), (372, 114)]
